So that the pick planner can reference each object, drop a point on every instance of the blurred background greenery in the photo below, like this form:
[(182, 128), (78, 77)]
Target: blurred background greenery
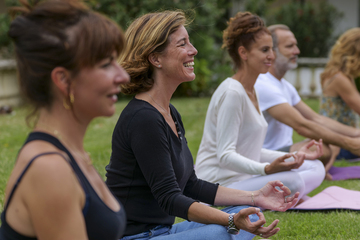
[(311, 21)]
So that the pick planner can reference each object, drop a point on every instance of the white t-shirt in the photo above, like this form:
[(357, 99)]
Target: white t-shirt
[(272, 92), (234, 132)]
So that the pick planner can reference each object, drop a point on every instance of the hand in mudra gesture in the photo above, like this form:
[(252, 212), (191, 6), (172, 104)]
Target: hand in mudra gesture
[(270, 197)]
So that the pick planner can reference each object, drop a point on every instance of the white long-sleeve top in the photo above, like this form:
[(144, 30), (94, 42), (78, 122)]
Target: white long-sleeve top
[(234, 132)]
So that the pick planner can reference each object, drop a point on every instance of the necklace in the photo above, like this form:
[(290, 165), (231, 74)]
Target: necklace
[(158, 104), (84, 156)]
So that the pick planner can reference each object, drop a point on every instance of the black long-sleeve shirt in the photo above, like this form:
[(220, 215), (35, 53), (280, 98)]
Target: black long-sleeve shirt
[(151, 169)]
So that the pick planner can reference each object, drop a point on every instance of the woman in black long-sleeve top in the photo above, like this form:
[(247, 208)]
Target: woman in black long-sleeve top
[(151, 167)]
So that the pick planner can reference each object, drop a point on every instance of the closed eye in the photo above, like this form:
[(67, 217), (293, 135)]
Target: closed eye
[(107, 62)]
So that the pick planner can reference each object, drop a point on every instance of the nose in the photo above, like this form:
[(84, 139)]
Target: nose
[(193, 51), (296, 50), (122, 76), (271, 56)]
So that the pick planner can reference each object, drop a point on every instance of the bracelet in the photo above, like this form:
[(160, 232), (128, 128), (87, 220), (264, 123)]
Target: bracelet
[(252, 199)]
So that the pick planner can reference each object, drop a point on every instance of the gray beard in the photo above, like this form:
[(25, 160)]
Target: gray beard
[(282, 63)]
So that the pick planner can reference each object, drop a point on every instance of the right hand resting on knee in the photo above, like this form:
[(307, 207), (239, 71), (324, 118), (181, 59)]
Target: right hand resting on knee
[(242, 221), (279, 164)]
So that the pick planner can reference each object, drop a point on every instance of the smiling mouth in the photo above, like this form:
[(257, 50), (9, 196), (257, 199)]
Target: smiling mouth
[(189, 64)]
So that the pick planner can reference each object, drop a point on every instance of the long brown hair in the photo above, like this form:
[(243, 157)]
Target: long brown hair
[(344, 56)]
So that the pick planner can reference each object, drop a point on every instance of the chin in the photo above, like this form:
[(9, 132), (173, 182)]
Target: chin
[(292, 65), (109, 112), (264, 71), (189, 78)]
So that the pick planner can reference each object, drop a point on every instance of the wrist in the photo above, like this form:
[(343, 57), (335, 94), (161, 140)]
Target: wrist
[(256, 195), (232, 229), (267, 169), (252, 199)]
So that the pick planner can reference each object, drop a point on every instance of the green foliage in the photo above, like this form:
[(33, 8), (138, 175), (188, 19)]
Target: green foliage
[(258, 7), (312, 25), (6, 47), (208, 17)]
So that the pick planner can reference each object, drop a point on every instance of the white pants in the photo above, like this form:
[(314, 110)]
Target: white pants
[(304, 179)]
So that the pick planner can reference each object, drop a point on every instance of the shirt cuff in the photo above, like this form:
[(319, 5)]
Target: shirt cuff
[(263, 170)]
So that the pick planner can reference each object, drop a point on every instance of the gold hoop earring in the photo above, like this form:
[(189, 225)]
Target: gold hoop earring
[(66, 106), (72, 99)]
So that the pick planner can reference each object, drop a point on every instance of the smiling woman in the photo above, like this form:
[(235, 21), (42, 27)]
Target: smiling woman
[(231, 150), (151, 168), (54, 192)]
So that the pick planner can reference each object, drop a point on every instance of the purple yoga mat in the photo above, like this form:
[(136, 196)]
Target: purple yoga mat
[(342, 173), (332, 198)]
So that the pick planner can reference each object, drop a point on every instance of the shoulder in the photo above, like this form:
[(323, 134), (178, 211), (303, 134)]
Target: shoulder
[(229, 88), (288, 85), (48, 162), (269, 92), (139, 112), (266, 85), (340, 78), (50, 177)]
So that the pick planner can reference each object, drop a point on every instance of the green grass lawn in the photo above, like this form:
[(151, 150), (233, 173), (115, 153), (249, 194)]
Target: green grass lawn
[(294, 225)]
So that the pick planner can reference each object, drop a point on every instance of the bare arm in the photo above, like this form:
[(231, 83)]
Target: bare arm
[(302, 125), (329, 123), (347, 91)]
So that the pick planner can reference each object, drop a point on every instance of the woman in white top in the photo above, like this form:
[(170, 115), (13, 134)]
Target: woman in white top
[(231, 151)]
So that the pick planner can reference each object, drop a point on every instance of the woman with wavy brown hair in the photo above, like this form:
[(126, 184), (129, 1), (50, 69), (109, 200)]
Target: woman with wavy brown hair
[(151, 168), (66, 57), (231, 150), (340, 98)]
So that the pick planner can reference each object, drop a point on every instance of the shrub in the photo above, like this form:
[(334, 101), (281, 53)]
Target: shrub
[(313, 25)]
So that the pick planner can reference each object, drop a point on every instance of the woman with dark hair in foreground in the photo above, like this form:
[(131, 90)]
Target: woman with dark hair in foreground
[(66, 56)]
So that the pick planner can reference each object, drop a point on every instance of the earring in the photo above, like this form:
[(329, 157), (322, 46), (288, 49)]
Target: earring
[(66, 106), (71, 96), (159, 65)]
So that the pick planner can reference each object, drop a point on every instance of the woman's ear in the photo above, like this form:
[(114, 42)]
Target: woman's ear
[(242, 53), (61, 79), (155, 60)]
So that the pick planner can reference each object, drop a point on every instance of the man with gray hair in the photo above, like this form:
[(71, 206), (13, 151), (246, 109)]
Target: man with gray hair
[(284, 110)]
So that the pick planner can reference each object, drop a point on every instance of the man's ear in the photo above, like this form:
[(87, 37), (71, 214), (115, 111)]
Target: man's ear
[(61, 79), (243, 53), (155, 60)]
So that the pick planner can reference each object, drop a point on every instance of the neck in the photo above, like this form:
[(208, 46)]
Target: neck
[(246, 78), (62, 124), (277, 72), (159, 95)]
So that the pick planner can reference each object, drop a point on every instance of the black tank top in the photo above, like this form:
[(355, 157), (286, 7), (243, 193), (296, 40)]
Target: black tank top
[(101, 222)]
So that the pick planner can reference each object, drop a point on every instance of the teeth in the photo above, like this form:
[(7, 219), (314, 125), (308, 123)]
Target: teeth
[(189, 64)]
